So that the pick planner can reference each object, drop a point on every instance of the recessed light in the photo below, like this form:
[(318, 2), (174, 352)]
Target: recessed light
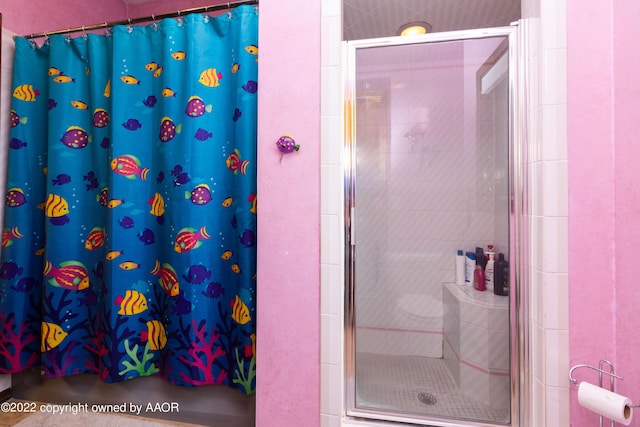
[(414, 28)]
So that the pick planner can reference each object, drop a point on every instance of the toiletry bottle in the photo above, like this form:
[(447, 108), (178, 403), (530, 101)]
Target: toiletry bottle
[(498, 275), (469, 268), (478, 279), (481, 260), (489, 269), (505, 272), (460, 267)]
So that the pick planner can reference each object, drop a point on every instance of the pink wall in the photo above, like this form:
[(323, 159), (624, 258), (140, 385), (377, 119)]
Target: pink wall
[(28, 17), (604, 198), (288, 391)]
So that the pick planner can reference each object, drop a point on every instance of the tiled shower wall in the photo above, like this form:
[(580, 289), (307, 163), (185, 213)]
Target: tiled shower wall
[(547, 401)]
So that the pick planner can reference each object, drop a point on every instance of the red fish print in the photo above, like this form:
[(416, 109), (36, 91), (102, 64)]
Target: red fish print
[(129, 167), (167, 278), (188, 239), (71, 275)]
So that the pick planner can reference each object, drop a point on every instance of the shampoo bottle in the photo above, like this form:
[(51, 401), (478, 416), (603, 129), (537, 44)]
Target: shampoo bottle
[(469, 268), (489, 269), (478, 279), (498, 276), (460, 268)]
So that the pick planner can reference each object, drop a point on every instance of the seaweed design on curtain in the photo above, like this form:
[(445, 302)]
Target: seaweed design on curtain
[(128, 246)]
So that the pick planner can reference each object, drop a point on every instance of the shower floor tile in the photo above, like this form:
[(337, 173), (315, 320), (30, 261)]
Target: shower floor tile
[(394, 383)]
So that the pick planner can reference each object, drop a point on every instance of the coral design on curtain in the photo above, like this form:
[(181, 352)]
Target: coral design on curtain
[(128, 247)]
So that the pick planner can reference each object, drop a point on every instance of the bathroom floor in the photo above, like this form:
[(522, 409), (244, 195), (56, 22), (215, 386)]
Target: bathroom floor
[(26, 419), (406, 385)]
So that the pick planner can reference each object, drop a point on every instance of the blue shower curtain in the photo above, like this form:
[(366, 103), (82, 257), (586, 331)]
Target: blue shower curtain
[(129, 239)]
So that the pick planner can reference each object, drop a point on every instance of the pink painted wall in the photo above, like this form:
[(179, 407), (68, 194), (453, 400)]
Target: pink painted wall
[(604, 195), (288, 339), (28, 17), (288, 389)]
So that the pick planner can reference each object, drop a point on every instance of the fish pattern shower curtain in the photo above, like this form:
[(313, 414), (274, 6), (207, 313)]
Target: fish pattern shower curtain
[(129, 239)]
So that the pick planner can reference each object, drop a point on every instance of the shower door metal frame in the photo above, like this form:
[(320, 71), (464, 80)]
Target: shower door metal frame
[(518, 232)]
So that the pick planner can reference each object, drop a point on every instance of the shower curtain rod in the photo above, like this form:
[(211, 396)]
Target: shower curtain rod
[(204, 9)]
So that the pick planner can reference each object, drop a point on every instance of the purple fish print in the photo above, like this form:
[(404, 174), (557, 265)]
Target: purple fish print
[(177, 169), (214, 290), (61, 220), (203, 134), (90, 297), (181, 179), (150, 101), (200, 195), (248, 238), (236, 114), (132, 124), (100, 118), (16, 143), (197, 274), (9, 270), (75, 137), (105, 142), (196, 107), (90, 175), (250, 86), (15, 198), (126, 222), (25, 284), (61, 179), (160, 177), (52, 104), (147, 237), (93, 184), (181, 304)]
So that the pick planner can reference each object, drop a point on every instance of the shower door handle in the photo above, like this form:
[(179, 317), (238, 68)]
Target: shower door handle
[(352, 226)]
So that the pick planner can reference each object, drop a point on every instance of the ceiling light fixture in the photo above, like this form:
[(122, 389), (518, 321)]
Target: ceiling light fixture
[(415, 28)]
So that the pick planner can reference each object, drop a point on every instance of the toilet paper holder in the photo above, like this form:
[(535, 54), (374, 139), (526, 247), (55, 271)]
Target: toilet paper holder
[(600, 369)]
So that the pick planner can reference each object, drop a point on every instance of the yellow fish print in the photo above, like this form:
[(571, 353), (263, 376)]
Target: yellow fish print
[(56, 206), (114, 203), (53, 71), (157, 205), (235, 268), (133, 302), (52, 336), (240, 311), (227, 202), (129, 265), (235, 67), (252, 49), (39, 252), (79, 105), (151, 66), (130, 80), (111, 255), (26, 93), (107, 89), (64, 79), (167, 92), (226, 255), (179, 55), (155, 334), (158, 72), (210, 77)]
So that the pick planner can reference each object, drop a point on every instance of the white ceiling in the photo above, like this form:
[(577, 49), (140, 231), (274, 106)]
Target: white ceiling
[(363, 19)]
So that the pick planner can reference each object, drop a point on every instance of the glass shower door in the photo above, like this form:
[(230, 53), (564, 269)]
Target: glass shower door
[(429, 175)]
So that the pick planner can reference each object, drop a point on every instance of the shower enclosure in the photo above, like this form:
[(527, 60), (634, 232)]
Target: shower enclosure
[(431, 162)]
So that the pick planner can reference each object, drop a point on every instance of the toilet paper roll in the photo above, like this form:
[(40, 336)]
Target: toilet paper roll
[(604, 402)]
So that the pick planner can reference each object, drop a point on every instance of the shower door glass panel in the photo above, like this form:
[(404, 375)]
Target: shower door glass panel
[(430, 166)]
